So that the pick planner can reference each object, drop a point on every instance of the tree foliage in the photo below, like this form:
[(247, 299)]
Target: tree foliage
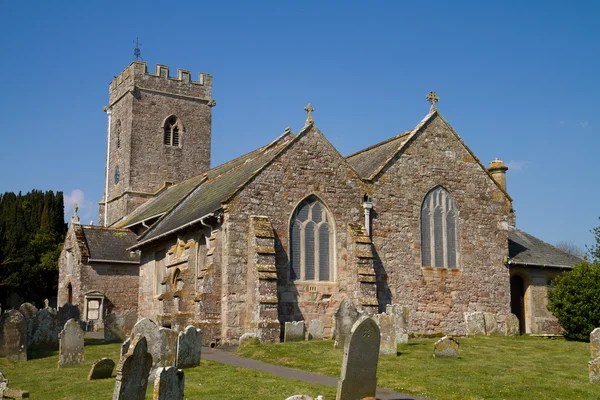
[(32, 230), (575, 296)]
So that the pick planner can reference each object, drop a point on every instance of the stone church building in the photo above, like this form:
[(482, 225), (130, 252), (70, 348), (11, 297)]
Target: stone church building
[(288, 230)]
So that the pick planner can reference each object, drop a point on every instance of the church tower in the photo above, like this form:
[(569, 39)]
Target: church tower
[(159, 132)]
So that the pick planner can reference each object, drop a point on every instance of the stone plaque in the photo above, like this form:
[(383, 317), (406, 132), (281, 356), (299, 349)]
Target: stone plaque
[(70, 344), (446, 347), (359, 367)]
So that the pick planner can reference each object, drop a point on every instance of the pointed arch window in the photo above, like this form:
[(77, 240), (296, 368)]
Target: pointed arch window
[(311, 242), (172, 129), (439, 230)]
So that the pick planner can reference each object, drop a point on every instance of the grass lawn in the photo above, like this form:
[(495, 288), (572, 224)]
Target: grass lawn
[(211, 380), (487, 367)]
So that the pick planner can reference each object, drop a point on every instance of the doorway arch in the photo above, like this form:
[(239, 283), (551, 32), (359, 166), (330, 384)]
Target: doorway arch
[(517, 300)]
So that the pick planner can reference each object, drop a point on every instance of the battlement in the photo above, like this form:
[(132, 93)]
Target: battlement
[(137, 75)]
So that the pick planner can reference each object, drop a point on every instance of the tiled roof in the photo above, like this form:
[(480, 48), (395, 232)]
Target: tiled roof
[(366, 161), (163, 202), (109, 244), (525, 249), (221, 182)]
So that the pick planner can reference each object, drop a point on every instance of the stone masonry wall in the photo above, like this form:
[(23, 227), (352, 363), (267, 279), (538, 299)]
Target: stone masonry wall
[(438, 297), (71, 243), (311, 166)]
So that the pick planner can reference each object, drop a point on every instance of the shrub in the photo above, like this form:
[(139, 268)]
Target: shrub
[(575, 300)]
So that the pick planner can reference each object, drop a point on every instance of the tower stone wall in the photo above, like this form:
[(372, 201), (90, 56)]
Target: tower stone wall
[(139, 162)]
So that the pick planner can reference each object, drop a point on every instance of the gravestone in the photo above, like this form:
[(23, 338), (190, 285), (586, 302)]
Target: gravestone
[(446, 347), (247, 339), (475, 323), (594, 370), (512, 325), (70, 346), (359, 367), (386, 325), (45, 332), (133, 370), (168, 346), (316, 327), (13, 336), (401, 316), (30, 313), (595, 343), (169, 384), (189, 346), (101, 369), (3, 385), (294, 331), (345, 318), (491, 325), (150, 331), (125, 346), (117, 325)]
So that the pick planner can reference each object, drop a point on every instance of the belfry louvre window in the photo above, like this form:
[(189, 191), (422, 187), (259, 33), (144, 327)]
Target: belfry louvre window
[(171, 136), (118, 129), (439, 230), (311, 242)]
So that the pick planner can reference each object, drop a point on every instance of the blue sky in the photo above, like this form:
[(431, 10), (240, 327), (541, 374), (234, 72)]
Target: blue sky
[(517, 80)]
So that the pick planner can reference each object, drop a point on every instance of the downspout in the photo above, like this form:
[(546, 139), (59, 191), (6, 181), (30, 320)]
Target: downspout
[(209, 230), (109, 113)]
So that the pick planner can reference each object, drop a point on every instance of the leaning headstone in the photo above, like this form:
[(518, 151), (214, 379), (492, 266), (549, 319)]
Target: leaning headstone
[(475, 323), (446, 347), (294, 331), (45, 332), (13, 336), (150, 331), (101, 369), (491, 325), (512, 325), (386, 325), (316, 327), (189, 346), (70, 344), (125, 346), (359, 367), (595, 343), (133, 370), (3, 385), (168, 384), (168, 346), (30, 313), (401, 316), (345, 318)]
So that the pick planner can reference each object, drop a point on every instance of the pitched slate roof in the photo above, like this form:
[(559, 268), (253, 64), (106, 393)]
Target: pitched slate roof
[(109, 244), (524, 249), (163, 202), (220, 183), (366, 161)]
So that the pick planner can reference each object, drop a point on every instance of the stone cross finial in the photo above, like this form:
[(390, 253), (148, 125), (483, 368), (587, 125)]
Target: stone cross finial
[(309, 109), (432, 98), (75, 217)]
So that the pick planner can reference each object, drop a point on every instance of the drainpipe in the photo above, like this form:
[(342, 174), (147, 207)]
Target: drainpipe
[(368, 206), (209, 230), (109, 113)]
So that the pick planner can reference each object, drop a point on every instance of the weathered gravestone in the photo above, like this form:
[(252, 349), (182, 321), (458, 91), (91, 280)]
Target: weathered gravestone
[(512, 325), (294, 331), (133, 370), (401, 316), (316, 327), (168, 384), (475, 323), (125, 346), (13, 336), (101, 369), (446, 347), (149, 330), (248, 338), (359, 367), (30, 313), (189, 346), (595, 343), (168, 346), (70, 344), (386, 325), (594, 370), (345, 318), (491, 325), (45, 332)]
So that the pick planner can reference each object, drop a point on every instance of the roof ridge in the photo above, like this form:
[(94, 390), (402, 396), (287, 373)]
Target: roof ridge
[(543, 241), (99, 227), (378, 144)]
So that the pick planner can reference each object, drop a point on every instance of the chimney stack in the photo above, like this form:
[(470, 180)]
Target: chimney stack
[(497, 169)]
